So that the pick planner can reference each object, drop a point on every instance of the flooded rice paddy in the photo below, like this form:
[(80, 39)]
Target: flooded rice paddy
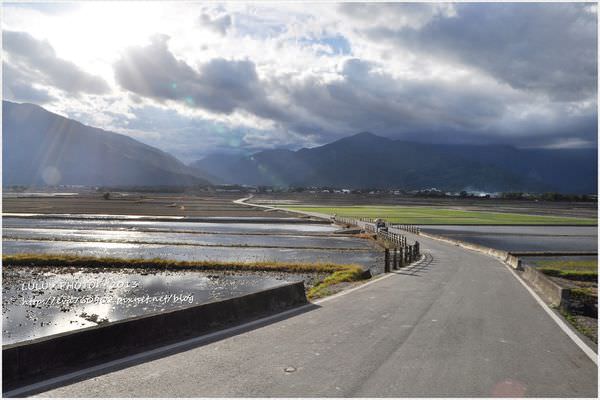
[(524, 238), (172, 226), (186, 241), (182, 238), (41, 301), (364, 257)]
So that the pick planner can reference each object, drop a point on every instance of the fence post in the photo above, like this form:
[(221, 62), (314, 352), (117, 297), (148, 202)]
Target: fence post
[(395, 258), (401, 257), (386, 267)]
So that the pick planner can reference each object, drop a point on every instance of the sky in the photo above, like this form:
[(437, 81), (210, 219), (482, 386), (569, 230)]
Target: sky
[(198, 78)]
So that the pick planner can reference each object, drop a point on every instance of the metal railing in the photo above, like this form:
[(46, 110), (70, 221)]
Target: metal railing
[(408, 228), (398, 253)]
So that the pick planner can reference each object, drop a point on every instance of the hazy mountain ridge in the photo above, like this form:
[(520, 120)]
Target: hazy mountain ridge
[(367, 160), (40, 147)]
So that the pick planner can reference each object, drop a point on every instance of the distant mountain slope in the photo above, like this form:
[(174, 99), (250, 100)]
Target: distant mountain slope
[(40, 147), (568, 170), (366, 160)]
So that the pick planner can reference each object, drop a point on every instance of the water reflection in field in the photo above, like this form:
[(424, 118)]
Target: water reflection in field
[(43, 301), (190, 253), (523, 238), (186, 241), (174, 226), (127, 236), (27, 314)]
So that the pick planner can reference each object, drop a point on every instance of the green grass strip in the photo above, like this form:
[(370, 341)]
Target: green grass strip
[(434, 216), (578, 270)]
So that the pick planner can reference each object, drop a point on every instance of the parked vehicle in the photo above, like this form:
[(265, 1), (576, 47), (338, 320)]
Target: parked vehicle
[(381, 225)]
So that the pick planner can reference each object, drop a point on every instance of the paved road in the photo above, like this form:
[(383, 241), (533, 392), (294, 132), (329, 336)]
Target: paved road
[(459, 324)]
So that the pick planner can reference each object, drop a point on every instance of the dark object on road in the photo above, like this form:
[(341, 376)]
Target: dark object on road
[(381, 225)]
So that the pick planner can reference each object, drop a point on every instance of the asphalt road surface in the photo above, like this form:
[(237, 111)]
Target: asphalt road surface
[(457, 324)]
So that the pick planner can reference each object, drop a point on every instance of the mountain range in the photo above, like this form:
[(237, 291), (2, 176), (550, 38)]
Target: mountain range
[(40, 147), (366, 160)]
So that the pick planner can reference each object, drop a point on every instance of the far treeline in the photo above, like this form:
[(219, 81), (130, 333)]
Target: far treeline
[(190, 189), (550, 196)]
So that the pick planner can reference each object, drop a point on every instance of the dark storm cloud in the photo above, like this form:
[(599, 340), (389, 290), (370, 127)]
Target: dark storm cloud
[(544, 48), (430, 111), (375, 101), (37, 63), (219, 24), (546, 52)]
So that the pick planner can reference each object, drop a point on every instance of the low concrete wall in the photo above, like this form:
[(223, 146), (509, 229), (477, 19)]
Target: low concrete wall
[(42, 358), (502, 255), (558, 296), (548, 290)]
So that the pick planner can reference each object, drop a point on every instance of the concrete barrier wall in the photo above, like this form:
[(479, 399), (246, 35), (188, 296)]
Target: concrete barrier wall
[(548, 290), (53, 355)]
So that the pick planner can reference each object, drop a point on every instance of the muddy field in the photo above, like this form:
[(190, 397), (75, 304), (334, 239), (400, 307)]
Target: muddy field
[(221, 204), (205, 205)]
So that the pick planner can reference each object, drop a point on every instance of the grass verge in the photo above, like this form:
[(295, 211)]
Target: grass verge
[(578, 323), (337, 272), (577, 270)]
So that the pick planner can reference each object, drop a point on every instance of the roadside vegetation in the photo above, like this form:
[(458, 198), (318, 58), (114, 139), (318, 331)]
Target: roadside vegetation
[(338, 273), (432, 216), (585, 325), (580, 278), (577, 270)]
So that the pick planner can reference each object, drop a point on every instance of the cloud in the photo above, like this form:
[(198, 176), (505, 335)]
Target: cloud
[(191, 138), (364, 96), (219, 85), (48, 8), (429, 110), (240, 77), (549, 49), (37, 60), (412, 15), (218, 25), (17, 87)]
